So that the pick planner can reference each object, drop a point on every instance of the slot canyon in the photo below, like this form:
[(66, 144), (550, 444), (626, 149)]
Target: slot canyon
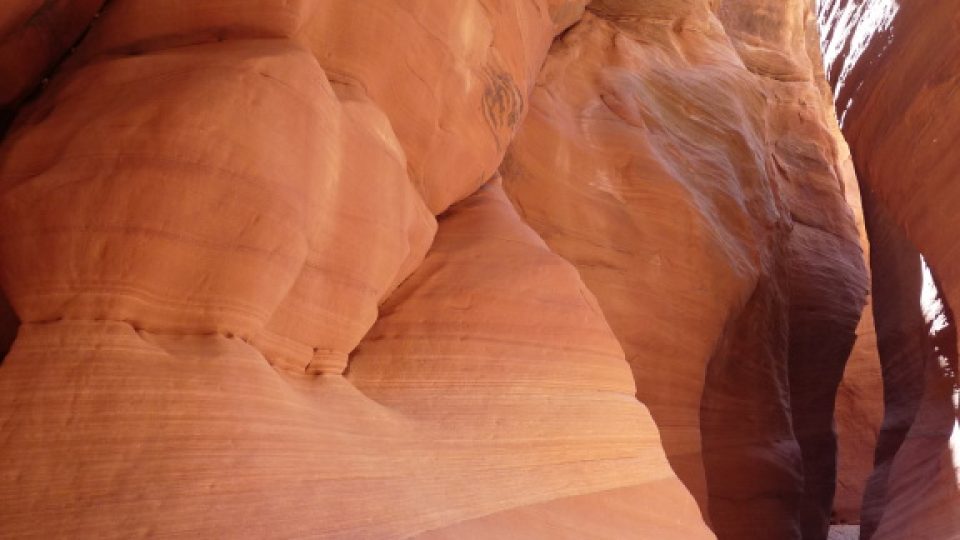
[(480, 269)]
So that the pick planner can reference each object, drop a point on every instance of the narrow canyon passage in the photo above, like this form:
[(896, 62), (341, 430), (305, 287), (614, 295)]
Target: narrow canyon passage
[(480, 269), (894, 69), (909, 492)]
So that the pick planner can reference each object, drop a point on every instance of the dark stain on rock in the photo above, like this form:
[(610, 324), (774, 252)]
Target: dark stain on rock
[(502, 103), (8, 327)]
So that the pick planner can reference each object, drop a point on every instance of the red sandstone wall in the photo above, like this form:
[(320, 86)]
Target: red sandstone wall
[(271, 283), (894, 68)]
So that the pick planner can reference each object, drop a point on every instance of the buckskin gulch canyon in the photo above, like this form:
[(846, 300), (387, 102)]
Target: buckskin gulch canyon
[(480, 269)]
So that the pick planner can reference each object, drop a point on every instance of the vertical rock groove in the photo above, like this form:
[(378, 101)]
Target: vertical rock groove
[(894, 68)]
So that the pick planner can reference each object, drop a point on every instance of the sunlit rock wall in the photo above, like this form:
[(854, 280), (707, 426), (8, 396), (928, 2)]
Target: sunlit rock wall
[(469, 268), (894, 66), (685, 159)]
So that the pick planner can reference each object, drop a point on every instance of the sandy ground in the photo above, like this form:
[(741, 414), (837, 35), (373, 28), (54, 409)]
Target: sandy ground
[(844, 532)]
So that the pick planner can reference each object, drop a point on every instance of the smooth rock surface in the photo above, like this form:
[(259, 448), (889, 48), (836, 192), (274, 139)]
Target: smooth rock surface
[(859, 403), (455, 417), (430, 268), (894, 66), (702, 196), (200, 224)]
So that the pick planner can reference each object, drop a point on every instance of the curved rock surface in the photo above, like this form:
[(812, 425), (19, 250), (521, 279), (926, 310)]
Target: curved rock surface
[(430, 268), (221, 220), (700, 195), (859, 406), (894, 67), (34, 34)]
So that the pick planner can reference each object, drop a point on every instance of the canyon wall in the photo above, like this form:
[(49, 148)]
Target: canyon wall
[(858, 414), (700, 194), (450, 269), (894, 66)]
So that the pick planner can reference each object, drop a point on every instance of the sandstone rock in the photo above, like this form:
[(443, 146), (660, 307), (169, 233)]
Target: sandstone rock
[(893, 67), (266, 282), (859, 403), (469, 76), (218, 220), (452, 77), (858, 416), (33, 35), (168, 199), (456, 348), (458, 418), (573, 173), (671, 177), (645, 513), (908, 492)]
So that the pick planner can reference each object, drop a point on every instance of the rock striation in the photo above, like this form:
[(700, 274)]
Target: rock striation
[(201, 225), (444, 269), (859, 407), (699, 191), (894, 68)]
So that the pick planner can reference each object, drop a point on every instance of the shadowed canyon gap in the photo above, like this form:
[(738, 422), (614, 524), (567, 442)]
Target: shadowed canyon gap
[(477, 269), (895, 66)]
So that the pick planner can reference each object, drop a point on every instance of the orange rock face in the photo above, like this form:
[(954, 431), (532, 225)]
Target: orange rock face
[(699, 194), (894, 65), (201, 225), (859, 408), (447, 269)]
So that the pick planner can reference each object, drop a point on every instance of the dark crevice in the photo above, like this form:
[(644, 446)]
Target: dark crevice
[(918, 357), (9, 112), (742, 417), (9, 323)]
